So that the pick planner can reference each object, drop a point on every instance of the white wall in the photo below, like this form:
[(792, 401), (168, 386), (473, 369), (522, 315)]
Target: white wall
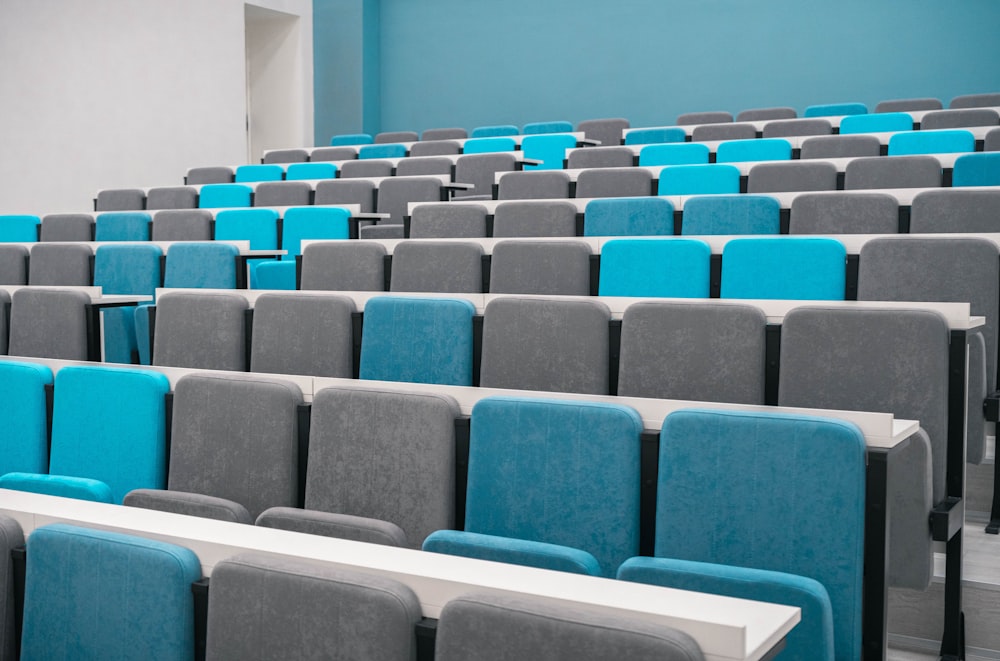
[(119, 93)]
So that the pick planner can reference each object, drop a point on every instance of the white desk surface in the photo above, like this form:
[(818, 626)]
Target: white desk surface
[(242, 245), (354, 209), (93, 292), (518, 156), (461, 141)]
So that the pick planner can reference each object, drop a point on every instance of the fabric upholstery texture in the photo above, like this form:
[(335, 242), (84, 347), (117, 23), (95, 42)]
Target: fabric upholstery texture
[(607, 130), (533, 267), (833, 109), (731, 214), (512, 551), (49, 323), (125, 269), (382, 151), (977, 170), (758, 114), (903, 105), (283, 194), (647, 267), (205, 331), (674, 154), (300, 223), (428, 165), (60, 264), (345, 266), (321, 154), (655, 135), (302, 335), (259, 172), (840, 146), (550, 149), (13, 265), (844, 213), (784, 128), (533, 185), (224, 195), (949, 119), (351, 139), (601, 157), (395, 194), (765, 149), (120, 199), (300, 171), (328, 524), (436, 147), (878, 122), (24, 443), (629, 217), (209, 175), (172, 197), (534, 218), (479, 169), (387, 137), (792, 176), (337, 191), (494, 131), (201, 265), (437, 266), (444, 134), (699, 179), (614, 182), (955, 210), (931, 142), (182, 225), (784, 268), (67, 227), (189, 504), (536, 128), (444, 220), (286, 156), (921, 171), (707, 117), (11, 538), (975, 101), (709, 132)]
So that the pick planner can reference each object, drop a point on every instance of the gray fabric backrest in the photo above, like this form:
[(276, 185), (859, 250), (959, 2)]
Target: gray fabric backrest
[(385, 455), (182, 225), (210, 175), (286, 156), (188, 504), (896, 172), (614, 182), (366, 168), (436, 148), (333, 154), (844, 213), (955, 210), (312, 610), (4, 323), (344, 266), (444, 134), (172, 197), (120, 199), (413, 166), (608, 131), (540, 267), (601, 157), (710, 132), (903, 105), (992, 141), (711, 117), (11, 538), (533, 344), (327, 524), (533, 185), (447, 221), (761, 114), (338, 191), (480, 170), (694, 351), (396, 136), (541, 218), (792, 127), (235, 437), (493, 627), (48, 323), (61, 264), (394, 195), (206, 331), (975, 101), (437, 266), (383, 231), (67, 227), (792, 176), (302, 335), (282, 194), (13, 265), (840, 146), (951, 119)]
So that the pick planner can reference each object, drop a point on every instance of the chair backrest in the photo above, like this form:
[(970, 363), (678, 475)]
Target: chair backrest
[(480, 170), (120, 199), (286, 156), (344, 266), (699, 179), (333, 154), (557, 345), (258, 226), (11, 537), (694, 351), (61, 264), (992, 140), (783, 128), (765, 149), (535, 267), (792, 176), (674, 154), (301, 171), (302, 335), (209, 175), (301, 223), (437, 266), (950, 119), (931, 142), (395, 194), (143, 608), (436, 147), (423, 340), (975, 101), (67, 227), (629, 216), (921, 171), (487, 145), (182, 225), (343, 191), (878, 122), (550, 149), (49, 323), (534, 218), (955, 210), (19, 228), (903, 105), (351, 139), (446, 221), (205, 264), (375, 620), (24, 446), (122, 226), (840, 146), (844, 213), (677, 268), (762, 114), (125, 269), (387, 137), (654, 135), (259, 172), (172, 197), (206, 331), (494, 131), (283, 194), (976, 170), (537, 128), (784, 268), (214, 196), (614, 182), (382, 151), (731, 214), (444, 134), (601, 157), (834, 109), (709, 117), (13, 265), (416, 166), (533, 185), (710, 132), (607, 131)]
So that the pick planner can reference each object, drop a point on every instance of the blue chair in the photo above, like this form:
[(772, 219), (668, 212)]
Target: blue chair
[(649, 267), (834, 109), (122, 226), (301, 223), (423, 340), (345, 139), (550, 149), (259, 172), (562, 477), (731, 214), (628, 216), (93, 594), (19, 228), (882, 122), (699, 179), (785, 268), (493, 131), (24, 443), (674, 154), (488, 145), (301, 171), (536, 128), (977, 170), (931, 142), (213, 196), (259, 226), (126, 269), (764, 149), (389, 150), (655, 135)]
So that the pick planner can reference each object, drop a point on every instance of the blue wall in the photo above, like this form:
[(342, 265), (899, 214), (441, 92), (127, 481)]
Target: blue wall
[(472, 62)]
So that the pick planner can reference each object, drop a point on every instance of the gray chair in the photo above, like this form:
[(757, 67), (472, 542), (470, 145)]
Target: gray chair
[(209, 175), (172, 197), (533, 185), (904, 105), (234, 448), (11, 537), (120, 199), (388, 137), (282, 194), (344, 266), (314, 610), (13, 265), (182, 225), (200, 330), (710, 117), (395, 195), (607, 131), (429, 165), (601, 157), (763, 114), (377, 477), (4, 320), (952, 119), (67, 227), (386, 231), (955, 210), (294, 334), (840, 146), (333, 154), (537, 344), (975, 101), (495, 627), (61, 264), (844, 213), (444, 134), (792, 176), (538, 218), (614, 182), (286, 156), (897, 172), (437, 266), (448, 221), (340, 191), (366, 168), (540, 267), (49, 323), (992, 140), (436, 148), (794, 127), (710, 132), (480, 170)]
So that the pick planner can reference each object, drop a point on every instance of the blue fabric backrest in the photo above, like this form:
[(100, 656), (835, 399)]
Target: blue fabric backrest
[(351, 139), (512, 551), (125, 269), (390, 150), (424, 340), (259, 172), (756, 490), (92, 594), (763, 149), (259, 226), (534, 128), (301, 171), (488, 145), (931, 142), (731, 214), (834, 109), (876, 123), (493, 131), (19, 228), (550, 149), (208, 265), (312, 223), (649, 267), (122, 226), (274, 275), (699, 179), (977, 170), (213, 196), (793, 269), (24, 443), (655, 135), (674, 154), (629, 216), (559, 472)]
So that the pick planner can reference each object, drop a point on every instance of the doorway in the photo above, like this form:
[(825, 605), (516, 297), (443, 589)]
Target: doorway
[(274, 80)]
